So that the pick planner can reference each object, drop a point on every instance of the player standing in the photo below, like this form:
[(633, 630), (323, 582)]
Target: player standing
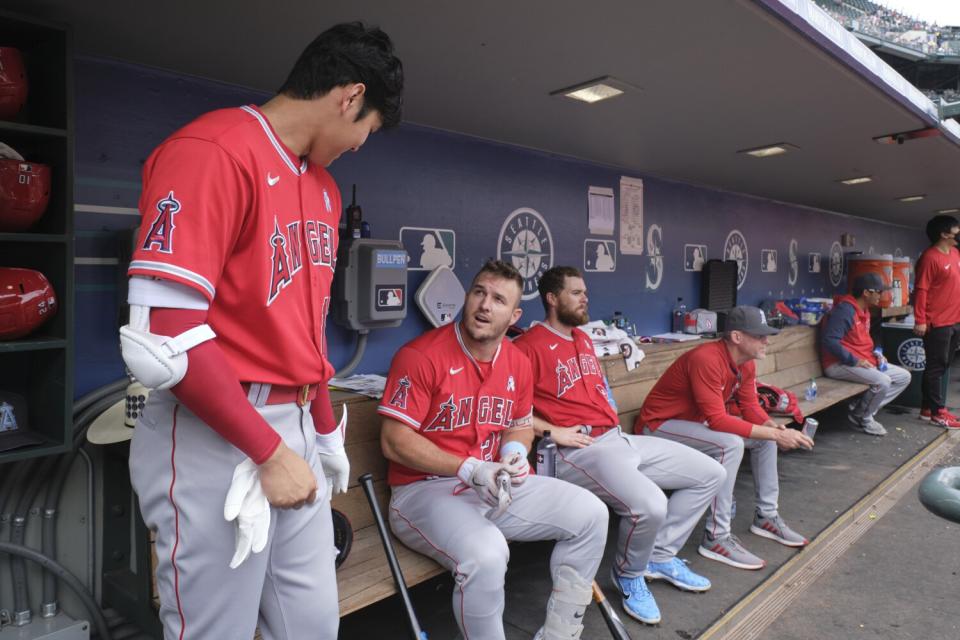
[(937, 312), (707, 399), (627, 472), (231, 276), (456, 413)]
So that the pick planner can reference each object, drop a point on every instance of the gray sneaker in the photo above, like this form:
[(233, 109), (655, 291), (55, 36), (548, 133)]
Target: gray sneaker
[(729, 551), (775, 528), (873, 427)]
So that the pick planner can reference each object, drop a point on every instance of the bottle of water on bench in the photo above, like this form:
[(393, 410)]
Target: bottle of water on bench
[(547, 456), (811, 392)]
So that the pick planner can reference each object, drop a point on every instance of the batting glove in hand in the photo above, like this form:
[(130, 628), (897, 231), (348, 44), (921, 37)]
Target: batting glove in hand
[(333, 457), (248, 507), (482, 478), (514, 456)]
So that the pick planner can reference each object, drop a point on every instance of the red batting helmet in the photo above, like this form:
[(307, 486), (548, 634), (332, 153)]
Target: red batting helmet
[(24, 193), (27, 300), (13, 83)]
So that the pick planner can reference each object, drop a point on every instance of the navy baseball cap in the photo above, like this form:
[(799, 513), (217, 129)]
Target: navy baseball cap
[(870, 280), (750, 320)]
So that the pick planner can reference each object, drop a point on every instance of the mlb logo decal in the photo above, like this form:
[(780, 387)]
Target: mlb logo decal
[(390, 298)]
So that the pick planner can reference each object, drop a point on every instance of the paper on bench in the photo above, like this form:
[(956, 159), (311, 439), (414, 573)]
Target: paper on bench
[(368, 384)]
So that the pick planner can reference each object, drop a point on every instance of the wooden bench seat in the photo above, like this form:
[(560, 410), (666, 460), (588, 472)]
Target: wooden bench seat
[(792, 359)]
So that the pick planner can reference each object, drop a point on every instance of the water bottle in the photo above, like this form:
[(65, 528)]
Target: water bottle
[(547, 456), (679, 311), (811, 392), (881, 361)]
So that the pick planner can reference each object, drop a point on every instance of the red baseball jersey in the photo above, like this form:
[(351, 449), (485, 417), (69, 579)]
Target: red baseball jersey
[(705, 385), (230, 211), (937, 288), (569, 385), (437, 388)]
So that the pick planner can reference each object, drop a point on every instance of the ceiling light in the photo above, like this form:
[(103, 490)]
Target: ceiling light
[(771, 150), (594, 90), (954, 210), (860, 180), (920, 196)]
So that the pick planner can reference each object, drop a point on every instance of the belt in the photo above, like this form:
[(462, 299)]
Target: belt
[(261, 393)]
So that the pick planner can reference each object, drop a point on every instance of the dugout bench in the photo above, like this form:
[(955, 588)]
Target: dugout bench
[(364, 578)]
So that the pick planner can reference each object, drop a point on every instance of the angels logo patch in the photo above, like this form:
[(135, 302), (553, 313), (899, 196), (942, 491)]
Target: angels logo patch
[(160, 235), (399, 397)]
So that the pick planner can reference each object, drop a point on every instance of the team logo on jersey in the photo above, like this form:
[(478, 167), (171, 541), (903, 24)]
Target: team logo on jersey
[(399, 397), (326, 201), (526, 243), (564, 379), (280, 273), (511, 385), (161, 229), (445, 418)]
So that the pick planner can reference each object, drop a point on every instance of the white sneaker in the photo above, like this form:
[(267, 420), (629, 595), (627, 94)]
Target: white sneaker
[(872, 427)]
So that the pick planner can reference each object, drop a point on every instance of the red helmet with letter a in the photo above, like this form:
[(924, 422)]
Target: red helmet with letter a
[(27, 300), (24, 193), (13, 83)]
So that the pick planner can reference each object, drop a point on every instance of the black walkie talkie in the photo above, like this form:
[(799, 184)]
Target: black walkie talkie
[(354, 216)]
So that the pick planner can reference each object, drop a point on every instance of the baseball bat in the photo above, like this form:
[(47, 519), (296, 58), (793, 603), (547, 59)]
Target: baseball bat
[(617, 630), (366, 481)]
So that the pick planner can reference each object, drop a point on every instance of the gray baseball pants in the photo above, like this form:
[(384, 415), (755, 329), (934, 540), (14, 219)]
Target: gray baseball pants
[(884, 386), (181, 469), (454, 530), (727, 449), (630, 474)]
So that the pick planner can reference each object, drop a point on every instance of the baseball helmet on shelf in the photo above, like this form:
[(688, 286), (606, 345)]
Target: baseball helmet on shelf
[(13, 83), (27, 300), (24, 193)]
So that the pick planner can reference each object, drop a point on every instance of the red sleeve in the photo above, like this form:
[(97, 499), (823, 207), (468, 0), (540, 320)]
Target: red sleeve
[(706, 382), (193, 204), (321, 410), (409, 388), (212, 391), (524, 403), (747, 396), (925, 270)]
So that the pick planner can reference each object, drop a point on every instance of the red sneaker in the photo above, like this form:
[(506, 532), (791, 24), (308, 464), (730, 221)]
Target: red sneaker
[(946, 419), (924, 414)]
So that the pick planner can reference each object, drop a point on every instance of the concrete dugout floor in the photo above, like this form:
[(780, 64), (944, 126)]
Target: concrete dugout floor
[(898, 581)]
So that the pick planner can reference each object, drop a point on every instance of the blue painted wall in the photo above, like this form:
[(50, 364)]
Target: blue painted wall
[(421, 177)]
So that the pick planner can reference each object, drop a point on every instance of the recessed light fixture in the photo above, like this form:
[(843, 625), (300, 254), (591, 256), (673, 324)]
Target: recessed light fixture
[(594, 90), (770, 150), (919, 196), (944, 211), (860, 180)]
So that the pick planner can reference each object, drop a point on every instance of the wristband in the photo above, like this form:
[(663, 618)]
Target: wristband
[(511, 447)]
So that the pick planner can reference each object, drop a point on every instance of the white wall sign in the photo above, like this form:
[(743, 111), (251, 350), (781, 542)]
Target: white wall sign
[(814, 263), (768, 260), (631, 216), (694, 255), (429, 248), (599, 255)]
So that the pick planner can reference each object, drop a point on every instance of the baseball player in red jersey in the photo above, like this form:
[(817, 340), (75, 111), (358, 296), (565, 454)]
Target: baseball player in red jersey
[(937, 312), (456, 415), (237, 451), (707, 400), (627, 472)]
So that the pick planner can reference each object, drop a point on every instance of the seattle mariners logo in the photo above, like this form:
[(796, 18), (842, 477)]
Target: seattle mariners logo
[(161, 229), (655, 253), (526, 241), (911, 354), (836, 264), (8, 420), (735, 248), (794, 265)]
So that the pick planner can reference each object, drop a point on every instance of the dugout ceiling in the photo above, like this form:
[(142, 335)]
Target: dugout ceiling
[(714, 77)]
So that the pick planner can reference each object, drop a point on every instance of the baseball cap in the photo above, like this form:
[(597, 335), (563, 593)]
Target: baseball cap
[(749, 320), (869, 280)]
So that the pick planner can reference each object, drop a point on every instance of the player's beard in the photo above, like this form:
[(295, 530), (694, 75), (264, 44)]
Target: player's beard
[(572, 317)]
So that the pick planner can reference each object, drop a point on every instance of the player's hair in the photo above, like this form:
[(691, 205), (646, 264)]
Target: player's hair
[(552, 281), (347, 53), (500, 269), (940, 224)]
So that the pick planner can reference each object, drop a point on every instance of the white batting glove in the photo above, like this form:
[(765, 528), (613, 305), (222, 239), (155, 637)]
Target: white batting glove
[(248, 507), (333, 457), (482, 478), (514, 456)]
